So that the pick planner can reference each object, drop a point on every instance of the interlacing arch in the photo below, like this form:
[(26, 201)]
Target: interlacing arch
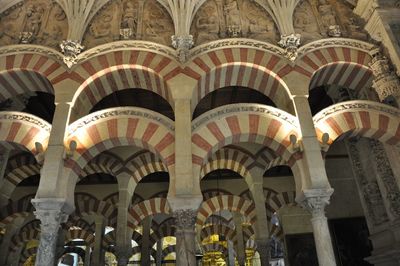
[(104, 74), (121, 126), (24, 129), (246, 67), (359, 118), (226, 202), (252, 123), (145, 208)]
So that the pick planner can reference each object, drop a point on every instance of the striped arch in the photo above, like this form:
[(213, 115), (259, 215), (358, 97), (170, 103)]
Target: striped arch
[(218, 219), (349, 75), (218, 229), (267, 126), (168, 250), (226, 202), (24, 129), (144, 164), (21, 208), (310, 62), (148, 207), (87, 236), (103, 163), (19, 167), (210, 193), (87, 205), (26, 254), (76, 221), (280, 200), (112, 198), (167, 228), (22, 237), (109, 240), (24, 69), (359, 118), (136, 199), (277, 232), (160, 194), (230, 159), (244, 66), (115, 78), (216, 247), (120, 126)]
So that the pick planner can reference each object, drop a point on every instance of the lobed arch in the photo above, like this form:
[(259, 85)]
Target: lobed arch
[(226, 202), (24, 129), (119, 127), (145, 208), (359, 118), (260, 124)]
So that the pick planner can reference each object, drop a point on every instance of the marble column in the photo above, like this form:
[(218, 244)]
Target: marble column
[(231, 254), (51, 213), (263, 250), (159, 252), (145, 252), (185, 220), (240, 249), (87, 256), (315, 201), (98, 255), (11, 229), (126, 187)]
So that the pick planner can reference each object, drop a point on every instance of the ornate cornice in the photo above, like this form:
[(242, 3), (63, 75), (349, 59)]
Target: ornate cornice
[(119, 112), (235, 109), (356, 105), (31, 119)]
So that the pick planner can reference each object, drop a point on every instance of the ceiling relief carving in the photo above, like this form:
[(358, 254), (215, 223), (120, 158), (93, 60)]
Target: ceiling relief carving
[(218, 19), (33, 22), (130, 20)]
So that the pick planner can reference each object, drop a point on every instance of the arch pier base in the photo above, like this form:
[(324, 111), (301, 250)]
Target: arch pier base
[(51, 213), (185, 220), (315, 202)]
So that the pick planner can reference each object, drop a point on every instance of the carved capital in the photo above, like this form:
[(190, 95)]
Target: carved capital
[(71, 49), (185, 219), (291, 43), (182, 44), (315, 201)]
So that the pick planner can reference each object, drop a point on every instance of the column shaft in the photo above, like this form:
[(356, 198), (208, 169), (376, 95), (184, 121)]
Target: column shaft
[(231, 254), (98, 255), (146, 226), (240, 249), (159, 252), (185, 220)]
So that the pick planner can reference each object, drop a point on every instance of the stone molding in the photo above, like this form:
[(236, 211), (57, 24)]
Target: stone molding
[(118, 112), (25, 117), (356, 105), (242, 108)]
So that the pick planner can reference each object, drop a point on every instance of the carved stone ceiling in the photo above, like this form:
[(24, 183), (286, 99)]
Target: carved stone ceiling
[(95, 22)]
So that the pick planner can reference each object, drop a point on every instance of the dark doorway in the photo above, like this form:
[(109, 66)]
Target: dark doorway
[(351, 243), (301, 250)]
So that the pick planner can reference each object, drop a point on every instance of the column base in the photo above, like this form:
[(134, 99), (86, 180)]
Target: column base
[(386, 243)]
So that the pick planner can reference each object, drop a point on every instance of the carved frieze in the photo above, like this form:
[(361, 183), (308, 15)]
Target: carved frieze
[(231, 18), (34, 22), (130, 20), (305, 23)]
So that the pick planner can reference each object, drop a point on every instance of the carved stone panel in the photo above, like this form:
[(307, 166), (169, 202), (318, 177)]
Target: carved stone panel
[(34, 22), (305, 23), (130, 20), (232, 18)]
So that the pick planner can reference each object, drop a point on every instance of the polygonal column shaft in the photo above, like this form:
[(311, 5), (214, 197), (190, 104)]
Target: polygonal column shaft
[(185, 220)]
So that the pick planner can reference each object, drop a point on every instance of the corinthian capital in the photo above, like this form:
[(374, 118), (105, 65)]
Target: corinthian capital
[(185, 219), (315, 201)]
